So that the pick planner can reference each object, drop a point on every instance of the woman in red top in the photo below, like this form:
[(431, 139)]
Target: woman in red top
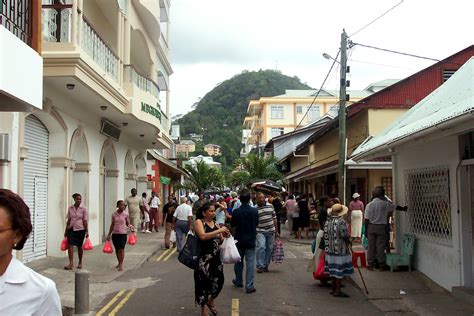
[(76, 230), (118, 230)]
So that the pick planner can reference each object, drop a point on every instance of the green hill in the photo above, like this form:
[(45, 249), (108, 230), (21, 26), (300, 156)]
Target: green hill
[(220, 114)]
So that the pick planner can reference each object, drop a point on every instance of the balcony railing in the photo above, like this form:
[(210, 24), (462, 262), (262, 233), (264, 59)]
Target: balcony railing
[(16, 16), (57, 27), (142, 82)]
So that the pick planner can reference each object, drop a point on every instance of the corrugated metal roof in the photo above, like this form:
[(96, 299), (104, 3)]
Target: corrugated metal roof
[(452, 99)]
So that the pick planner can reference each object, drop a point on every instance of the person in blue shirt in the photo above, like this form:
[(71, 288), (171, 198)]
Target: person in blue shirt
[(245, 221)]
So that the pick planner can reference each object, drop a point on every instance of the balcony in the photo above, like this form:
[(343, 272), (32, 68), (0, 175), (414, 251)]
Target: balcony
[(140, 81)]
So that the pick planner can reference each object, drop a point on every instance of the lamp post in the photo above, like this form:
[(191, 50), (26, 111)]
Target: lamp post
[(342, 120)]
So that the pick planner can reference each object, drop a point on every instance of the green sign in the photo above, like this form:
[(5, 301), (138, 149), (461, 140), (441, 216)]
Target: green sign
[(165, 180), (151, 110)]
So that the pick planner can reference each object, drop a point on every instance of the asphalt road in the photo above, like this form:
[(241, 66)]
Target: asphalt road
[(163, 286)]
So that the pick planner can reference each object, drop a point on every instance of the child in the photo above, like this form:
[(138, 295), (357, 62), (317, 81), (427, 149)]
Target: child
[(118, 231)]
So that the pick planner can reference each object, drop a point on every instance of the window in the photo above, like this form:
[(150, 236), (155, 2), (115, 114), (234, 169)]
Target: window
[(313, 113), (276, 131), (299, 109), (387, 184), (276, 112), (428, 201)]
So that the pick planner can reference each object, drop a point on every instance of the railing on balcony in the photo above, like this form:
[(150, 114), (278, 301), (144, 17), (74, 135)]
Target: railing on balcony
[(16, 16), (141, 81), (57, 27)]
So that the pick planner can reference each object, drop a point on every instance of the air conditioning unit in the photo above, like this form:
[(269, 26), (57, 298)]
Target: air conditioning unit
[(4, 147), (110, 129)]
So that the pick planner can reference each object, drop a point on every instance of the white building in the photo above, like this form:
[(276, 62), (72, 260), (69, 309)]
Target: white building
[(105, 102), (207, 160), (432, 149)]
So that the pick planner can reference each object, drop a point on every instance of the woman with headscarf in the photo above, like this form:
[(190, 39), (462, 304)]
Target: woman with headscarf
[(338, 261), (22, 290)]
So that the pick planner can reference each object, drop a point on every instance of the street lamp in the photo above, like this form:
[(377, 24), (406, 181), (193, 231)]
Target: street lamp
[(327, 56)]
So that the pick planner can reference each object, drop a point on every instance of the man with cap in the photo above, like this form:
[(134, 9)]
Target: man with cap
[(377, 213)]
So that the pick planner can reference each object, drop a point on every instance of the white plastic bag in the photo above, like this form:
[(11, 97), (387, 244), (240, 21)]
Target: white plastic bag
[(173, 236), (229, 252)]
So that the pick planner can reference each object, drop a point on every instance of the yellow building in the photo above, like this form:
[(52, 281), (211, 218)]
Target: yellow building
[(185, 146), (212, 149)]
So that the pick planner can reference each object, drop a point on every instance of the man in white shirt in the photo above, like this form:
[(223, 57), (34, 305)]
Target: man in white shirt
[(154, 211), (183, 218)]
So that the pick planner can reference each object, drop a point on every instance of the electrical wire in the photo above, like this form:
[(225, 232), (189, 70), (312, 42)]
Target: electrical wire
[(351, 44), (377, 18)]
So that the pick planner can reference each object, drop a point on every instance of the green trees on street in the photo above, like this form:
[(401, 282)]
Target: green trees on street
[(252, 168), (202, 177)]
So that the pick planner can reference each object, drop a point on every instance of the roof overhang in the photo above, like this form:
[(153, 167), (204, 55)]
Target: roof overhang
[(173, 167)]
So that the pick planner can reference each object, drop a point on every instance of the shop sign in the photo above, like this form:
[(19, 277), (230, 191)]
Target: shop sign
[(165, 180), (156, 112)]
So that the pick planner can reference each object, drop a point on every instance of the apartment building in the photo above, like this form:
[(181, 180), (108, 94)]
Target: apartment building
[(212, 149), (270, 117), (185, 146), (104, 107)]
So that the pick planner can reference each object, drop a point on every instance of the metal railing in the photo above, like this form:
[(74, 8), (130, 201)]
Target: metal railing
[(16, 16), (141, 81)]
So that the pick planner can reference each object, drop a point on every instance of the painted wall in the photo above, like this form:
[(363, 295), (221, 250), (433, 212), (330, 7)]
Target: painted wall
[(380, 119), (446, 254)]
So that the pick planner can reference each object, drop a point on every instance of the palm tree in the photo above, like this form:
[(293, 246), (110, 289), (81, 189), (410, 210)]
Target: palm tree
[(202, 177), (254, 167)]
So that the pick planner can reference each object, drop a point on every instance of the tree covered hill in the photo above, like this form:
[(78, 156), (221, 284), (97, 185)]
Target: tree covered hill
[(220, 114)]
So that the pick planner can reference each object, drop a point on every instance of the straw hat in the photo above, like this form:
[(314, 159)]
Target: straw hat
[(355, 195), (339, 210)]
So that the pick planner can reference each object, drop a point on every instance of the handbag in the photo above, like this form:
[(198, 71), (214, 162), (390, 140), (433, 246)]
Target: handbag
[(64, 244), (107, 247), (87, 245), (228, 251), (132, 239), (278, 254), (189, 255)]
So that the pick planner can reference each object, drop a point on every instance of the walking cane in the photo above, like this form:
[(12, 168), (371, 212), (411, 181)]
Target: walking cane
[(361, 277)]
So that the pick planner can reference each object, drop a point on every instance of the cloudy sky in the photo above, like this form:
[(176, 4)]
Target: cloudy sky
[(212, 40)]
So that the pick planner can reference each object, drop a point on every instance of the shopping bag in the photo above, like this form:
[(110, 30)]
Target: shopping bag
[(173, 236), (132, 239), (365, 242), (107, 247), (278, 254), (87, 245), (312, 264), (189, 255), (229, 251), (64, 244), (320, 274)]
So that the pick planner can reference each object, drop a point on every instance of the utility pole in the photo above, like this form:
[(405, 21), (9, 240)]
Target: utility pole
[(342, 120)]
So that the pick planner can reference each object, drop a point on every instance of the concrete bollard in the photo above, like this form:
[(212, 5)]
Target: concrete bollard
[(81, 292)]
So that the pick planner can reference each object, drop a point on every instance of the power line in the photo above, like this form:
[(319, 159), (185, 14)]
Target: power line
[(377, 18), (351, 44)]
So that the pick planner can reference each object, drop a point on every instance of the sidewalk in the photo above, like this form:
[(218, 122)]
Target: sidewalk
[(101, 268), (402, 292)]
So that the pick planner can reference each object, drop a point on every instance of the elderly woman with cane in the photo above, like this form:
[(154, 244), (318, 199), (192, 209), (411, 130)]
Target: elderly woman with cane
[(337, 247)]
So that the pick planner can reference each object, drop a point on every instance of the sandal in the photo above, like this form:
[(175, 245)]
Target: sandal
[(212, 309), (67, 268), (341, 294)]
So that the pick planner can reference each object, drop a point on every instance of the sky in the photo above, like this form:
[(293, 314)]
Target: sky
[(213, 40)]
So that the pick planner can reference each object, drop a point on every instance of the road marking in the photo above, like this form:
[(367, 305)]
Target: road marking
[(173, 251), (235, 307), (163, 254), (112, 301), (289, 255), (122, 302)]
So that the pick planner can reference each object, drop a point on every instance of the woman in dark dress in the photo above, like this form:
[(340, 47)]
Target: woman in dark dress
[(304, 215), (209, 276)]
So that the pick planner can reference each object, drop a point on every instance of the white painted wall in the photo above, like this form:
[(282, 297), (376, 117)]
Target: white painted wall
[(21, 75), (439, 260)]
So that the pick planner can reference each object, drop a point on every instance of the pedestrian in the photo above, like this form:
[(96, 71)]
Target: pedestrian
[(221, 212), (356, 215), (303, 207), (76, 230), (199, 203), (338, 260), (168, 211), (22, 290), (145, 214), (376, 218), (118, 231), (133, 205), (154, 203), (183, 221), (245, 221), (278, 206), (266, 231), (209, 276), (290, 206)]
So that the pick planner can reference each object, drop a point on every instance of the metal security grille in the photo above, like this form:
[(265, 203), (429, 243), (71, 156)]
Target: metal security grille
[(429, 207)]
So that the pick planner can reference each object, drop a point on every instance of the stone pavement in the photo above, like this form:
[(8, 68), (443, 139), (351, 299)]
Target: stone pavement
[(402, 292), (101, 268)]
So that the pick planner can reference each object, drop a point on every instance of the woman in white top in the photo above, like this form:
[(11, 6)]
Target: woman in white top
[(22, 290), (183, 219)]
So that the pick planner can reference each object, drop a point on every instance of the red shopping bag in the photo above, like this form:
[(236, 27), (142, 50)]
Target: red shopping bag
[(132, 239), (107, 247), (320, 274), (64, 244), (87, 245)]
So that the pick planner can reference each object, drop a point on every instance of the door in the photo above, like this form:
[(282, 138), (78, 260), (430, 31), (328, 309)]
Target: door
[(35, 186)]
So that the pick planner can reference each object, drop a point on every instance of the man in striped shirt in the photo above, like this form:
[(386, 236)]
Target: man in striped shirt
[(266, 231)]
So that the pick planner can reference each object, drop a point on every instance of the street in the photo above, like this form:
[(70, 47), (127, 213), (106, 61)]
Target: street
[(163, 286)]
